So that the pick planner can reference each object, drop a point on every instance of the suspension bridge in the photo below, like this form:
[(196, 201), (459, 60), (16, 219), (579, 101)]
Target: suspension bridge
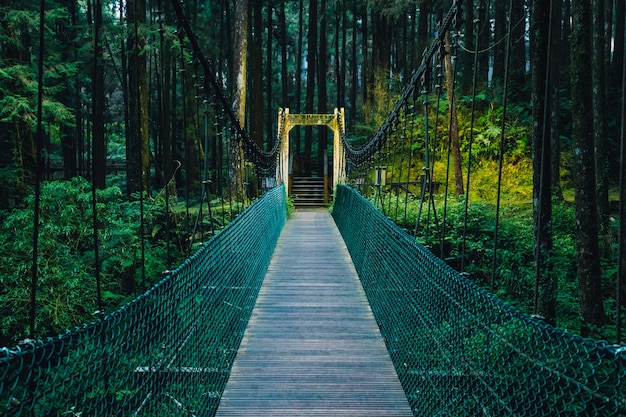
[(316, 314)]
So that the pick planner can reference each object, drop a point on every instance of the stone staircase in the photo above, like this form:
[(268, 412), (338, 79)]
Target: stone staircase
[(307, 192)]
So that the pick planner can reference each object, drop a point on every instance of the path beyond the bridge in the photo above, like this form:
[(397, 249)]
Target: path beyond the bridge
[(312, 346)]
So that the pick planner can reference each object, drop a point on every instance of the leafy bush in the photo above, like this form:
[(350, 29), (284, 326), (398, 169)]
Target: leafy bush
[(66, 290)]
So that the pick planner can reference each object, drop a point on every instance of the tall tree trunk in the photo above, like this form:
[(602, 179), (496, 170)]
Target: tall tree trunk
[(600, 124), (98, 155), (137, 147), (466, 60), (269, 77), (500, 30), (454, 122), (71, 97), (557, 48), (484, 37), (381, 45), (310, 82), (322, 86), (354, 67), (298, 147), (240, 63), (545, 283), (365, 66), (618, 55), (517, 61), (589, 274), (256, 74), (240, 73), (422, 37), (283, 54), (167, 122)]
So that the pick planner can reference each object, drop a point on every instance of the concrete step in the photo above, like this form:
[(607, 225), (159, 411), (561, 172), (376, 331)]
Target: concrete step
[(307, 191)]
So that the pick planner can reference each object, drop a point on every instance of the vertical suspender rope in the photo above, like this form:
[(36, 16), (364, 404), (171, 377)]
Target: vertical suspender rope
[(469, 154), (34, 275)]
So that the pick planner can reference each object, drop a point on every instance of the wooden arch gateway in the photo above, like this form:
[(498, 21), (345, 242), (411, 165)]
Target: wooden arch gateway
[(287, 121)]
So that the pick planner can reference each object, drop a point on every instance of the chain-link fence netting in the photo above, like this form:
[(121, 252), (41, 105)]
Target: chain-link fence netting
[(460, 351), (168, 352)]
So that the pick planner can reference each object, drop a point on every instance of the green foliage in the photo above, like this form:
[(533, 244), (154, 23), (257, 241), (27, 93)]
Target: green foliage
[(471, 242), (66, 293)]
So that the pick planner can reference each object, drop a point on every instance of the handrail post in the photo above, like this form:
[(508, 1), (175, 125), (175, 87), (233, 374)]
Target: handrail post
[(325, 177)]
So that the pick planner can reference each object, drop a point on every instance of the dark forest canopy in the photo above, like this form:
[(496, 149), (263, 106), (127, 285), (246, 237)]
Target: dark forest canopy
[(116, 91)]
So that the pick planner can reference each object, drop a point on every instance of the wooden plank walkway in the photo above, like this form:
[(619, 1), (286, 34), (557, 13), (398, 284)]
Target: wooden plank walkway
[(312, 346)]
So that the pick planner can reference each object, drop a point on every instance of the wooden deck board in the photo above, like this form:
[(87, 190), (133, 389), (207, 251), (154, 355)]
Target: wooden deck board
[(312, 346)]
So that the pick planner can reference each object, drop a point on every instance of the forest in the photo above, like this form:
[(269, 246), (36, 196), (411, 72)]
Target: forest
[(107, 181)]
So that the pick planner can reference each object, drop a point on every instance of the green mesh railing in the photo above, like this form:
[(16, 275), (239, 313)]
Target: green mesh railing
[(460, 351), (167, 353)]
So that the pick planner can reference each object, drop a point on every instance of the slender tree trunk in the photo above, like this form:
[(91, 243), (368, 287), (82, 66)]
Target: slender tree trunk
[(466, 60), (322, 96), (545, 284), (600, 124), (98, 161), (240, 64), (137, 148), (310, 82), (454, 122), (484, 37), (517, 62), (240, 73), (381, 45), (618, 55), (557, 47), (167, 121), (354, 67), (256, 74), (283, 51), (589, 274), (269, 77), (423, 39), (365, 68), (499, 52), (71, 97), (298, 147)]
